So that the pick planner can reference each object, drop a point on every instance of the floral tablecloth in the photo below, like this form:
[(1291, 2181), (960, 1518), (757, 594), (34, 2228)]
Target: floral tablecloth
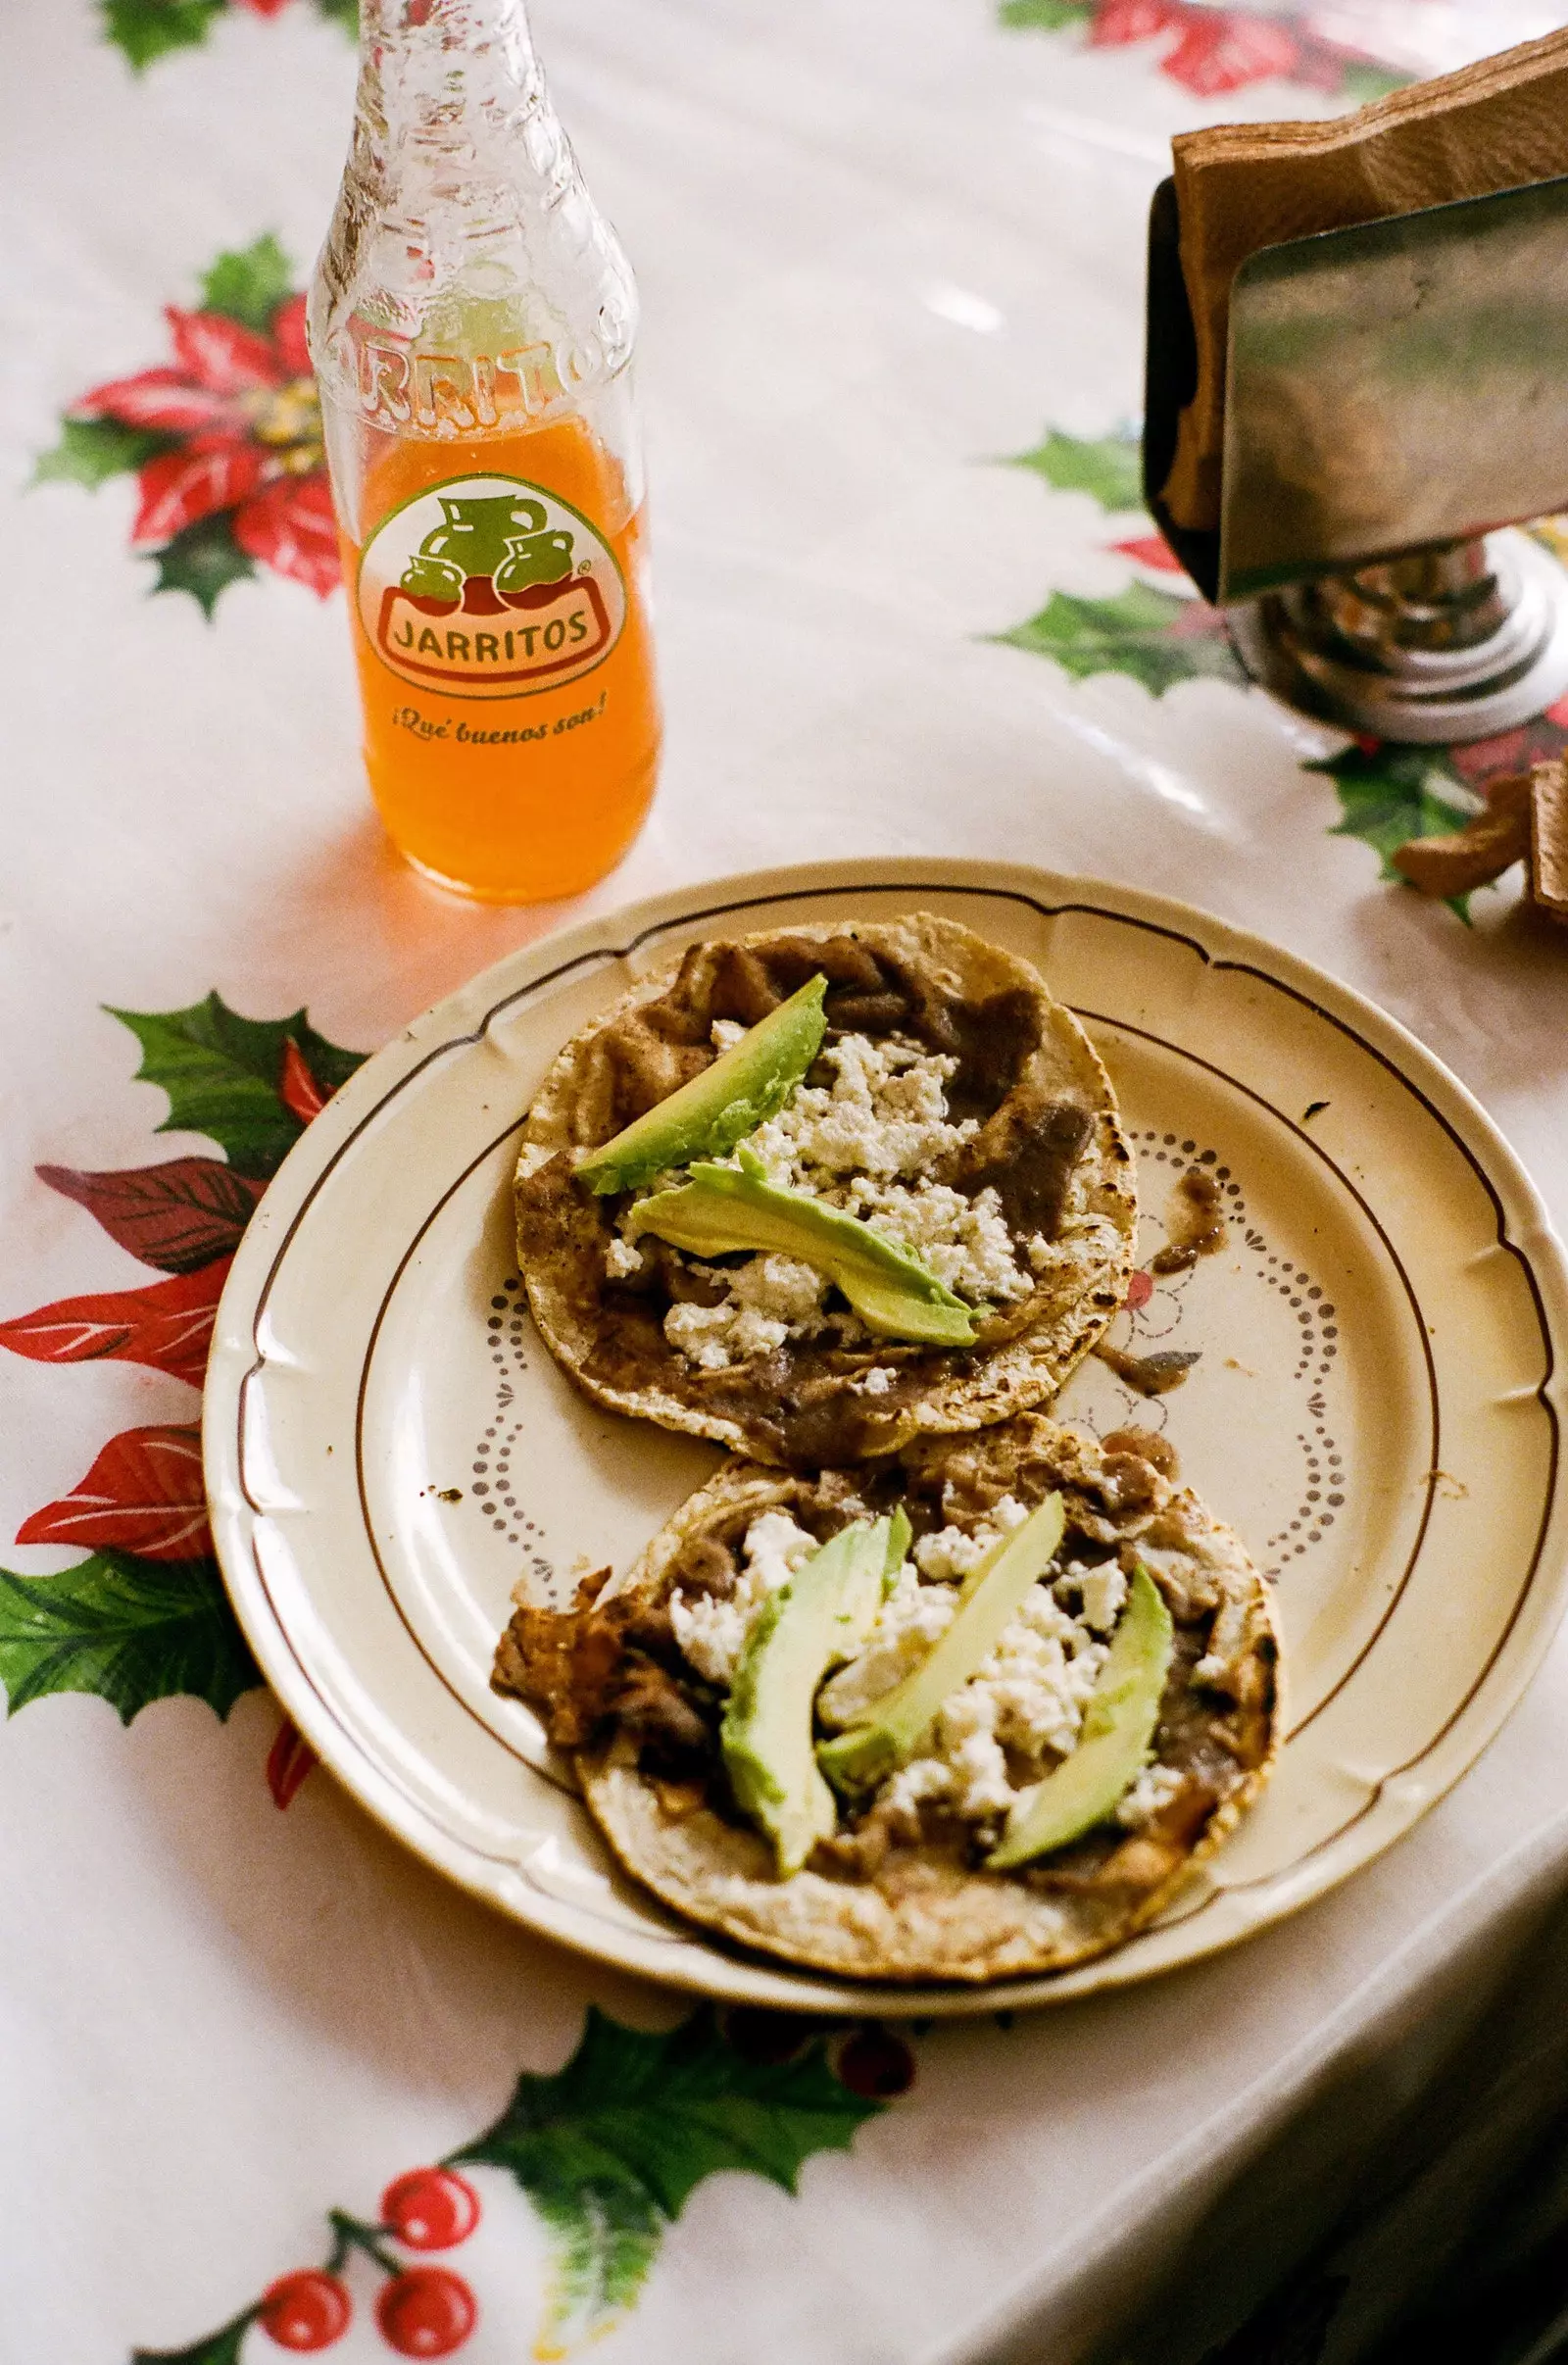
[(269, 2085)]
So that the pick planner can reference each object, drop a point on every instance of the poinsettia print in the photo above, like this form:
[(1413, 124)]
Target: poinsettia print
[(168, 1327), (1213, 50), (145, 1614), (223, 437), (146, 30), (143, 1493)]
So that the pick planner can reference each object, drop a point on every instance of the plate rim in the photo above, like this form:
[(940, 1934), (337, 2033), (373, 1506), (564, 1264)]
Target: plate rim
[(462, 1017)]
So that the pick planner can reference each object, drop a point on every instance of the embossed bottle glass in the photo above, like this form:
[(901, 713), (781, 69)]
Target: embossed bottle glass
[(471, 324)]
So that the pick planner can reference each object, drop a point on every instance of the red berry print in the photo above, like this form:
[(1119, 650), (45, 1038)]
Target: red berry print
[(876, 2065), (428, 2312), (310, 2310), (430, 2208)]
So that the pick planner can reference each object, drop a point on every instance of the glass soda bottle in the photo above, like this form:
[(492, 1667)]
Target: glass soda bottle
[(471, 324)]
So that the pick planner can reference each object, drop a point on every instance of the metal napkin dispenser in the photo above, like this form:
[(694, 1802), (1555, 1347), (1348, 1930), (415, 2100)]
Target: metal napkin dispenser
[(1396, 394)]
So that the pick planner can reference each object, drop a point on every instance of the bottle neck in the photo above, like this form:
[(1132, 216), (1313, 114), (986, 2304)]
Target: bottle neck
[(466, 275), (451, 100)]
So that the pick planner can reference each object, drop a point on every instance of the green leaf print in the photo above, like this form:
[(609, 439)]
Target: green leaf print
[(219, 2347), (1151, 635), (130, 1630), (145, 29), (1389, 795), (203, 558), (1042, 15), (611, 2148), (92, 450), (225, 1074), (1109, 469), (249, 285), (1364, 81)]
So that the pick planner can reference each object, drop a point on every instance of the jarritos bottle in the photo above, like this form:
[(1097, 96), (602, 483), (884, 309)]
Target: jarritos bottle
[(471, 324)]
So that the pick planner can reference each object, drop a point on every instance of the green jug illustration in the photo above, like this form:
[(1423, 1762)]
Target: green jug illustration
[(486, 538), (432, 579), (533, 557)]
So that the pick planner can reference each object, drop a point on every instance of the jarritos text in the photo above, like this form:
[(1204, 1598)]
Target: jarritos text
[(490, 587)]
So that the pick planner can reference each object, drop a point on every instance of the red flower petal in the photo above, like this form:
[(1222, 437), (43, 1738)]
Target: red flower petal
[(1228, 53), (261, 8), (288, 1761), (168, 1326), (1484, 760), (288, 335), (219, 354), (289, 526), (143, 1493), (1122, 20), (156, 398), (175, 1216), (1196, 621), (179, 487), (297, 1088), (1151, 550), (1139, 1289)]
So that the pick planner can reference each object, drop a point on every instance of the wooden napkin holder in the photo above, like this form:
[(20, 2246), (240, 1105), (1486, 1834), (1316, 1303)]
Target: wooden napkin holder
[(1396, 394)]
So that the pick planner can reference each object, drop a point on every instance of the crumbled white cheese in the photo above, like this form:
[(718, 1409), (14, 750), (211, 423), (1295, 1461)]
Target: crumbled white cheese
[(781, 1286), (1020, 1713), (950, 1553), (1154, 1789), (968, 1745), (904, 1795), (1104, 1589), (533, 1156), (878, 1380), (623, 1257), (711, 1632), (912, 1617), (965, 1242), (774, 1548), (724, 1034), (865, 1143), (1040, 1675), (770, 1300), (884, 1114), (712, 1336)]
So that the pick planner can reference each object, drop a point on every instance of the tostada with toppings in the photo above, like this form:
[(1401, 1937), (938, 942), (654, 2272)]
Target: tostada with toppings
[(971, 1712), (817, 1192)]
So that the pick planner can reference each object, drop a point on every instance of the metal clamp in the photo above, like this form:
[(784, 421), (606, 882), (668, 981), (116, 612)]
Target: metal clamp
[(1396, 394), (1434, 648)]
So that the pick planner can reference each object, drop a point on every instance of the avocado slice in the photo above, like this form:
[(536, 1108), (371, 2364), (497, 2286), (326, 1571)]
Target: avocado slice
[(813, 1623), (893, 1728), (1113, 1743), (744, 1087), (720, 1208)]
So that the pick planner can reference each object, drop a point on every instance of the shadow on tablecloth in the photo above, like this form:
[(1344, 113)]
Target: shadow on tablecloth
[(1448, 2244)]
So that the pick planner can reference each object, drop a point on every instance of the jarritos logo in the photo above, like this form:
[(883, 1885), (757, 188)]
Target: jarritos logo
[(490, 587)]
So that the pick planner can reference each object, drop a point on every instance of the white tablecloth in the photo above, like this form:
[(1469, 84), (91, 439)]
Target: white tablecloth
[(883, 248)]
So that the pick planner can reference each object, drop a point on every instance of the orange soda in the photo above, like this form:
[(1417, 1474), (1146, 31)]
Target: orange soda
[(471, 324)]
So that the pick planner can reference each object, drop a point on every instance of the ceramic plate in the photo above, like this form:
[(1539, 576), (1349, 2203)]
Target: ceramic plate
[(1374, 1403)]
